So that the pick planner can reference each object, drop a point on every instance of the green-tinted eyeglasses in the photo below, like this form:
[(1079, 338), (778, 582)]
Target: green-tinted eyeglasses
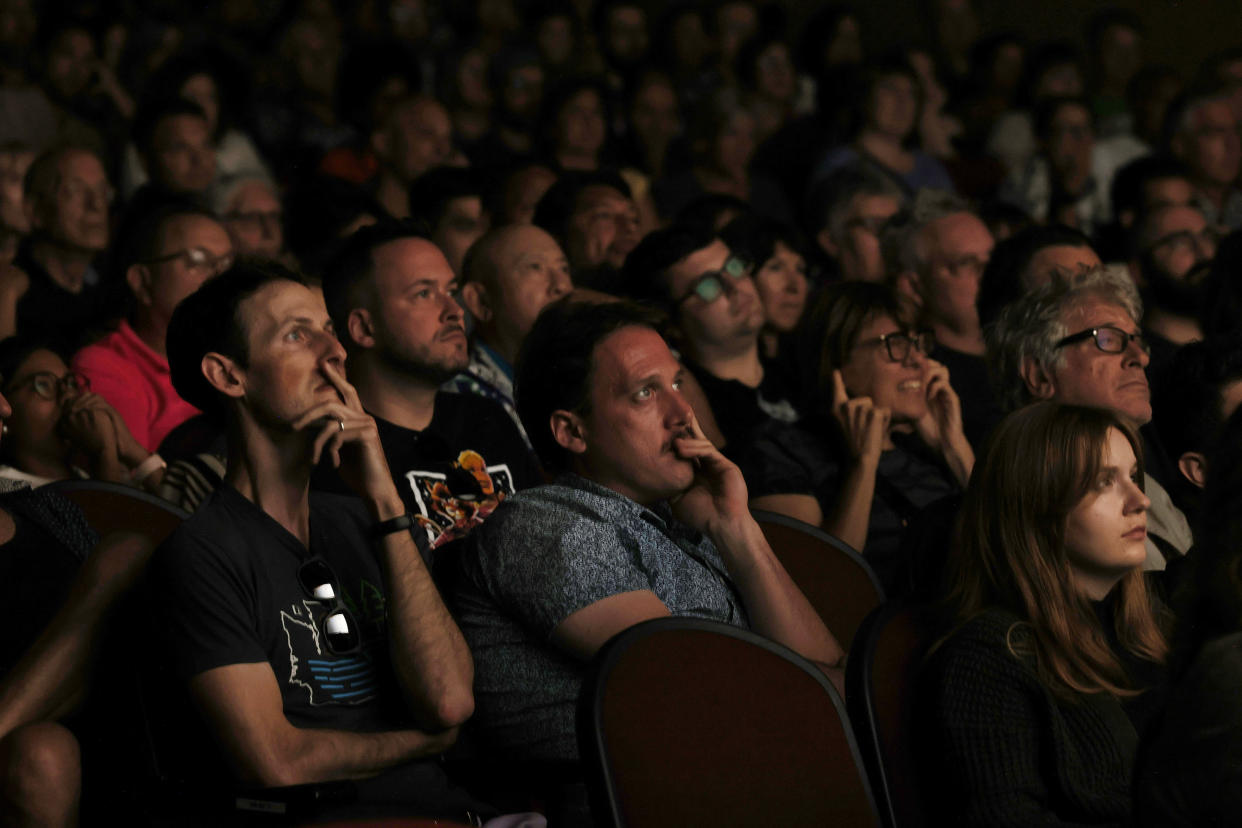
[(712, 285)]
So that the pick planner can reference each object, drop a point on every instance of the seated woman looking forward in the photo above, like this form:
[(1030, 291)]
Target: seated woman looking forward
[(1031, 706)]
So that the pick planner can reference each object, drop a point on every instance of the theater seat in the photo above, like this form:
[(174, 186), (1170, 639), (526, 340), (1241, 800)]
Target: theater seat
[(684, 722)]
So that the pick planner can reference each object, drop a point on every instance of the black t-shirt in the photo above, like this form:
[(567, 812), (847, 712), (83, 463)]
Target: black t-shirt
[(455, 472), (968, 374), (740, 409), (229, 592), (36, 570), (67, 320)]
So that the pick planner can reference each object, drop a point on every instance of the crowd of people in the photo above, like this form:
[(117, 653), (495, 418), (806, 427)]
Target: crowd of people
[(469, 337)]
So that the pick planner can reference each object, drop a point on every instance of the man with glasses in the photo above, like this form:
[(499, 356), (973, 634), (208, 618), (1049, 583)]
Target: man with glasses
[(168, 253), (53, 293), (306, 627), (936, 256), (1173, 249), (715, 320), (847, 213), (1077, 340)]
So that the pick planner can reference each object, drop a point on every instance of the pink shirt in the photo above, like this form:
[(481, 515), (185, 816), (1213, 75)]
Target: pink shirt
[(135, 381)]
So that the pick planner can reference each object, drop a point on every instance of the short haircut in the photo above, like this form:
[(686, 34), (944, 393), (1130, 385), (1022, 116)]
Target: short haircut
[(557, 364), (209, 321), (138, 239), (645, 273), (43, 175), (900, 240), (432, 191), (347, 280), (1047, 110), (754, 238), (149, 118), (1031, 326), (559, 203), (830, 201), (1128, 190), (1005, 278), (831, 328), (1179, 117)]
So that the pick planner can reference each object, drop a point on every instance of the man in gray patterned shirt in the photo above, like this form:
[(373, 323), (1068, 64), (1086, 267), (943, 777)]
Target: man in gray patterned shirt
[(647, 519)]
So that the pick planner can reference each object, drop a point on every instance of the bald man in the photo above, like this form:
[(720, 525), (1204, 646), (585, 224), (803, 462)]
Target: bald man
[(510, 274)]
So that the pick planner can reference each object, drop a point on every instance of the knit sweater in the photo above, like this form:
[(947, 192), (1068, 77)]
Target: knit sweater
[(998, 749)]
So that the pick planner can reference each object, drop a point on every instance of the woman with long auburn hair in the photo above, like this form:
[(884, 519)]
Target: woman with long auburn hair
[(1034, 699)]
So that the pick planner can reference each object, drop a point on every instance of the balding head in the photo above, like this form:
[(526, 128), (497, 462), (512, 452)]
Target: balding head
[(511, 274)]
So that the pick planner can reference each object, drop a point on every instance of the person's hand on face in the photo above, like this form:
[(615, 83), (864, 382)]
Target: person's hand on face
[(348, 435), (864, 425), (718, 493), (85, 423), (941, 427)]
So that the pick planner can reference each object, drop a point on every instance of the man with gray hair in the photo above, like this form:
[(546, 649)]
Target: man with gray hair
[(846, 213), (936, 257), (1203, 134), (1077, 340)]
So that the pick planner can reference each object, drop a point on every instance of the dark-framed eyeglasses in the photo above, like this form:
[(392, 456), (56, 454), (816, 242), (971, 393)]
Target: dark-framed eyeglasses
[(898, 343), (1109, 339), (51, 387), (711, 285), (336, 624), (196, 258)]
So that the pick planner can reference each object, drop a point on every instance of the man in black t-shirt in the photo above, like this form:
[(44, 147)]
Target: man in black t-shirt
[(454, 457), (307, 628)]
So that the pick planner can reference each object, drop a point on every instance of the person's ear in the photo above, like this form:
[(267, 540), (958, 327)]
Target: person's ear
[(826, 243), (909, 289), (1193, 466), (138, 277), (474, 297), (360, 328), (1039, 381), (569, 431), (223, 374)]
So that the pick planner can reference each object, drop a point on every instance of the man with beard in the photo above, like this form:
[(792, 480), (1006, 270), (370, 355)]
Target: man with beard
[(1174, 247), (454, 457)]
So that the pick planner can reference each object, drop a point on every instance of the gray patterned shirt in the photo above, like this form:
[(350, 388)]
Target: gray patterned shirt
[(546, 553)]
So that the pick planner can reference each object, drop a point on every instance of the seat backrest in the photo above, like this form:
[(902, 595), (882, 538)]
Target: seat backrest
[(112, 507), (881, 683), (834, 578), (689, 722)]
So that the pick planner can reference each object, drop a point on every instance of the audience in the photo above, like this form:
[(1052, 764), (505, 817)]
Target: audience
[(883, 435), (646, 519), (455, 457), (1032, 701), (173, 250), (850, 336), (263, 577)]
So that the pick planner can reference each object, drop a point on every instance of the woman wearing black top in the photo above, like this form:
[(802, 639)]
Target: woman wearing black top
[(1032, 704)]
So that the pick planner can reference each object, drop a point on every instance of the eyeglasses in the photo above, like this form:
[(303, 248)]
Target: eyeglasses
[(1207, 239), (196, 258), (1108, 339), (711, 285), (336, 625), (898, 344), (51, 387)]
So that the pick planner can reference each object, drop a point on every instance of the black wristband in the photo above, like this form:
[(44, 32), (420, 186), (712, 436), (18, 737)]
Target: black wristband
[(387, 527)]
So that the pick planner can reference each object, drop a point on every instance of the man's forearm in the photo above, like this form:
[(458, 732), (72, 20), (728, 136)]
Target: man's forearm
[(305, 755), (777, 608), (429, 653)]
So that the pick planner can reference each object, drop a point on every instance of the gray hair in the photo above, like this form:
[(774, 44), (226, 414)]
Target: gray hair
[(1031, 326), (900, 242), (831, 200)]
